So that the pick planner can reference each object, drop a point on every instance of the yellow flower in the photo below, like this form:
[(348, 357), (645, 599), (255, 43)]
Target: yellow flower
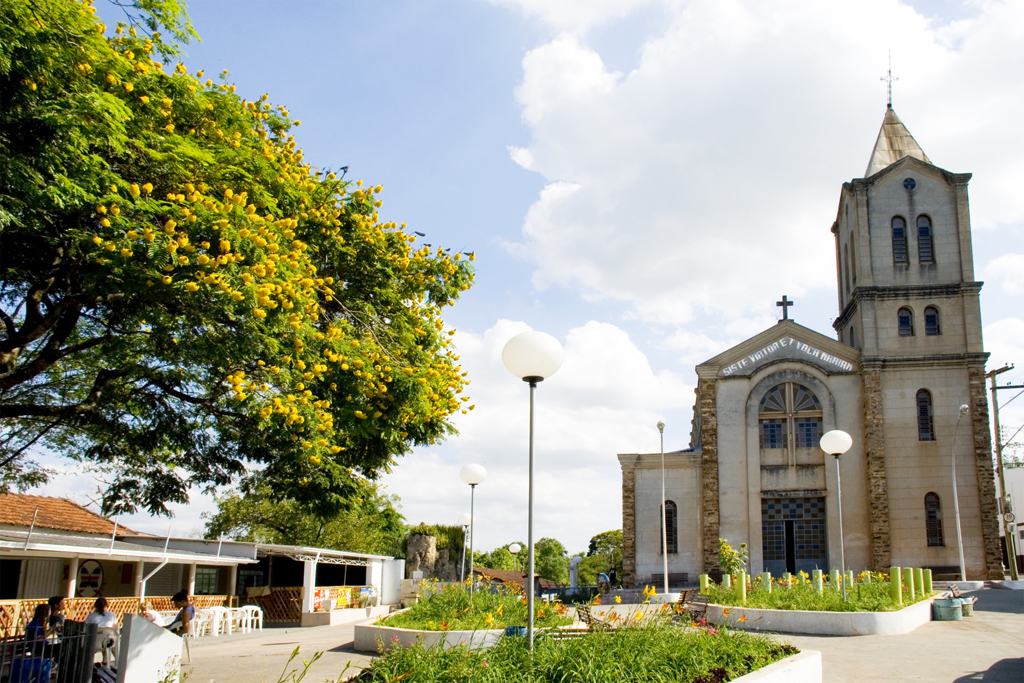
[(259, 313), (128, 86), (144, 99), (192, 287), (147, 188), (618, 599), (167, 279), (488, 619)]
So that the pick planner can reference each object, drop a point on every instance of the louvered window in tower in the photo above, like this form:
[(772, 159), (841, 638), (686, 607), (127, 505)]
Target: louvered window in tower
[(924, 239), (899, 240), (925, 426), (931, 321), (905, 321)]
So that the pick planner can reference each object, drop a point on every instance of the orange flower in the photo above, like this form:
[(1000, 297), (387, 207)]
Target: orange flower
[(743, 617)]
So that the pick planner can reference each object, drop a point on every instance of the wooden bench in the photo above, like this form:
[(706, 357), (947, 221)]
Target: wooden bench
[(698, 606), (593, 623), (564, 633)]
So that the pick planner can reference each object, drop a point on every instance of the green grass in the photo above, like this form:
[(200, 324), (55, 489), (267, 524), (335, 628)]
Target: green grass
[(656, 652), (861, 597), (447, 607)]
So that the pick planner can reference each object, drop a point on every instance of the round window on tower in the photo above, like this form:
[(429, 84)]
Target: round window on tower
[(909, 183)]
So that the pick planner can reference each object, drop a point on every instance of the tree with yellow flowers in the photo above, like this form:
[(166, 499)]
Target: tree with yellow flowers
[(184, 301)]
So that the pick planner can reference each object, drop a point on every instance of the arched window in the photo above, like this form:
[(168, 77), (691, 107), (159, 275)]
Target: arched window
[(925, 426), (931, 321), (899, 240), (789, 409), (672, 518), (853, 259), (933, 520), (846, 253), (924, 239), (905, 319)]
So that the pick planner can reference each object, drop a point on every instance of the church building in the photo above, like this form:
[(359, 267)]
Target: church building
[(907, 355)]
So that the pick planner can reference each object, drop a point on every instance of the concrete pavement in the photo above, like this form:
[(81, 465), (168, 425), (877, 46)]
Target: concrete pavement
[(987, 647)]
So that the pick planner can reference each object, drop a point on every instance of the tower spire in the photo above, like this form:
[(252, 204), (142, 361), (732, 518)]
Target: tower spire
[(889, 79)]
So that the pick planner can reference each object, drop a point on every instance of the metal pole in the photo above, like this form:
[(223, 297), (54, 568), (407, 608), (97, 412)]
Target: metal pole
[(664, 510), (842, 551), (956, 499), (1008, 537), (472, 536), (462, 565), (529, 537)]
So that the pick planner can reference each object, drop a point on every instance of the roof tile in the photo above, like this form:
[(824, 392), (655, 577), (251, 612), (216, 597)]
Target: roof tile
[(17, 509)]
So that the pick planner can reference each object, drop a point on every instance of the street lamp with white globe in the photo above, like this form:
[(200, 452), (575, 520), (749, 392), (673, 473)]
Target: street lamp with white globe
[(836, 443), (514, 549), (465, 520), (472, 475), (533, 357)]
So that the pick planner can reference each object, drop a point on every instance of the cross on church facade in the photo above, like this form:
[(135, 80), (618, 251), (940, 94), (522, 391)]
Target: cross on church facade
[(785, 304)]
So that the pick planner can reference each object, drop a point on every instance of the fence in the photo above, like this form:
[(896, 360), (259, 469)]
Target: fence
[(284, 604), (70, 656), (15, 614)]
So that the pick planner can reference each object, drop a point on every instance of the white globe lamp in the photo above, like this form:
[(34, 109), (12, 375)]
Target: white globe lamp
[(473, 475), (835, 443)]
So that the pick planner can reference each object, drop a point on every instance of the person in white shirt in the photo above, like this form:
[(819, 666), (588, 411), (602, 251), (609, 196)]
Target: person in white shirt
[(100, 616), (151, 614)]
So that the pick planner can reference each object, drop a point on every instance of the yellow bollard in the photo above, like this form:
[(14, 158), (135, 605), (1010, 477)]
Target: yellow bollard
[(919, 581), (766, 581), (742, 578), (908, 581), (928, 582), (896, 585), (726, 580), (788, 578), (703, 583), (819, 583)]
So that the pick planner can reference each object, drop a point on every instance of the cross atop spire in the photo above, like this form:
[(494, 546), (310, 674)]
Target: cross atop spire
[(889, 79)]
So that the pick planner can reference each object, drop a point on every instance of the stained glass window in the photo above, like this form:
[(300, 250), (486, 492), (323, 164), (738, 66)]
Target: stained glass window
[(933, 520), (773, 433), (789, 409), (808, 431), (905, 320), (774, 400)]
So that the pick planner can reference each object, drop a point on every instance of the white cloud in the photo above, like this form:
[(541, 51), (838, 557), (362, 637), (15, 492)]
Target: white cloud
[(711, 172), (1008, 270), (574, 15), (604, 400)]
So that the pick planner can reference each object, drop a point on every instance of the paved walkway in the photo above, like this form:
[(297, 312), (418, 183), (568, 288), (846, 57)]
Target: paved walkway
[(260, 657), (987, 647)]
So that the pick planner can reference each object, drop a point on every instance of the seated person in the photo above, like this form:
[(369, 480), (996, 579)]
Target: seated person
[(103, 619), (186, 613), (151, 614), (35, 632), (56, 616)]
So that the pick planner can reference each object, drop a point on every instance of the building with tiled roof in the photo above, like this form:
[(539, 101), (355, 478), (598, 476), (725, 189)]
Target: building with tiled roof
[(44, 512)]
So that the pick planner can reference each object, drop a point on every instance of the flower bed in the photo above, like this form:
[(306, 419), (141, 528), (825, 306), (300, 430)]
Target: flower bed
[(819, 622), (653, 651), (801, 595), (449, 607)]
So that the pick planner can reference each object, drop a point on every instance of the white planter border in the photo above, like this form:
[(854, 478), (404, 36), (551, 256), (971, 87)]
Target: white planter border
[(819, 623), (803, 667), (367, 635)]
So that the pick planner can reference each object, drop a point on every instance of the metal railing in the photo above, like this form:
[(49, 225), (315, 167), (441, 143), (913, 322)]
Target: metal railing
[(67, 658)]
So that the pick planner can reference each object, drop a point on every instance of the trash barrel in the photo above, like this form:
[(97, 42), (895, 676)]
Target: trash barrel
[(947, 609), (515, 631), (967, 606)]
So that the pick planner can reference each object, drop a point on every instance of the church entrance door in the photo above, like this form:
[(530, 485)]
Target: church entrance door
[(793, 535)]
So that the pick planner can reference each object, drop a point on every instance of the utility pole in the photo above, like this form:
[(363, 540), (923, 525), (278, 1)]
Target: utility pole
[(1004, 498)]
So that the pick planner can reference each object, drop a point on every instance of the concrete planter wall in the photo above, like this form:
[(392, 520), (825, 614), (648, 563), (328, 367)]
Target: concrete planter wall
[(367, 636), (803, 667), (345, 615), (824, 623)]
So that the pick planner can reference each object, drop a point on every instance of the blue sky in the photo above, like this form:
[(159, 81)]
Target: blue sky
[(641, 179)]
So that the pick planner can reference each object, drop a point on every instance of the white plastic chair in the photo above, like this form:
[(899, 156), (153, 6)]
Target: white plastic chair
[(254, 616), (202, 623), (221, 623), (106, 643), (239, 616)]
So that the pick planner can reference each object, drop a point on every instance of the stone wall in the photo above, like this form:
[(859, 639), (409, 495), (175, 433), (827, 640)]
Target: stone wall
[(628, 463), (874, 453), (708, 400), (986, 476)]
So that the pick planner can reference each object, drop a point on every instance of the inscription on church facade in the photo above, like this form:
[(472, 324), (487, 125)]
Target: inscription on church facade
[(786, 348)]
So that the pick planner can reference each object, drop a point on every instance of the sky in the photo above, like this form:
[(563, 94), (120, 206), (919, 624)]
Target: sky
[(641, 179)]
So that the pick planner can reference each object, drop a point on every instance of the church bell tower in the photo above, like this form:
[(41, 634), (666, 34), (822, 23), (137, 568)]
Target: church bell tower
[(909, 302)]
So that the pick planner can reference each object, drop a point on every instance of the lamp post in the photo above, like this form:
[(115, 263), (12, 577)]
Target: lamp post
[(836, 443), (472, 475), (574, 568), (465, 520), (964, 409), (664, 512), (532, 356), (514, 549)]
